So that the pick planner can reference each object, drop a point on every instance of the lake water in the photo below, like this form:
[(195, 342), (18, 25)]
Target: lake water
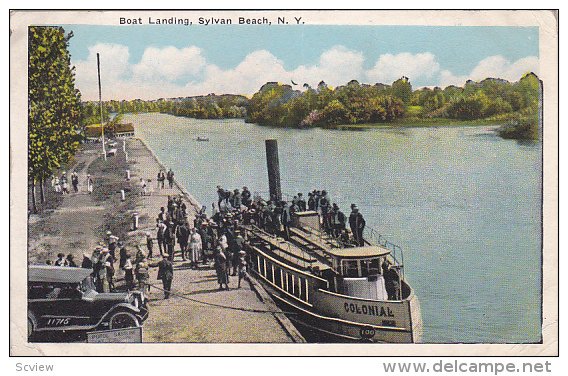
[(462, 202)]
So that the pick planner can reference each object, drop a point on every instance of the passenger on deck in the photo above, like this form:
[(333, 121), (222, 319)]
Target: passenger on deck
[(311, 201), (324, 207), (237, 200), (246, 197), (301, 202), (392, 281), (317, 196), (286, 219), (337, 220), (357, 224)]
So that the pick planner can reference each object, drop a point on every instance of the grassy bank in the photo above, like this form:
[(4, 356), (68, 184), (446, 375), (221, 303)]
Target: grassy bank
[(110, 179), (417, 123)]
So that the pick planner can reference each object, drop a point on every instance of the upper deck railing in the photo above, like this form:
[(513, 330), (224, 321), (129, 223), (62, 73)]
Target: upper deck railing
[(370, 237)]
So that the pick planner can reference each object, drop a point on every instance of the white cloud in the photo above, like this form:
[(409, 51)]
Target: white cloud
[(447, 78), (114, 67), (336, 66), (169, 63), (389, 67), (255, 70), (156, 73), (493, 67), (498, 66)]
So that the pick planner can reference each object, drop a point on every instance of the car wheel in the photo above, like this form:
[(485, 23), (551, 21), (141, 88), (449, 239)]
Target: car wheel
[(123, 319)]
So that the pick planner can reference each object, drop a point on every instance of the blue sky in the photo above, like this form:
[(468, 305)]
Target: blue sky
[(152, 61)]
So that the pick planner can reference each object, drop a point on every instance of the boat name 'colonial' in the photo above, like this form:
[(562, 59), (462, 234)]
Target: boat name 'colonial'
[(365, 309)]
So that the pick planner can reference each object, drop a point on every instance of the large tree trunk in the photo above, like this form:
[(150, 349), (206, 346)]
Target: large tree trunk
[(41, 193), (34, 206)]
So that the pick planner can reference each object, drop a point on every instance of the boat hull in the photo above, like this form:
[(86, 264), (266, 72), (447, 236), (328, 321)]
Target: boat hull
[(330, 317), (318, 328)]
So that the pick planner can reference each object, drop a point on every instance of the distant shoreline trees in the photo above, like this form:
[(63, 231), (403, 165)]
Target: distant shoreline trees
[(511, 103)]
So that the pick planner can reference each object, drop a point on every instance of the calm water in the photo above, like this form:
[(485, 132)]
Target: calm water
[(463, 203)]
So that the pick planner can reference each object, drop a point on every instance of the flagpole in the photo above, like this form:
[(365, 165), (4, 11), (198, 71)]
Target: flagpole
[(101, 105)]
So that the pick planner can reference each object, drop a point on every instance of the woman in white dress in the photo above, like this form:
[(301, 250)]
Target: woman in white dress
[(195, 246), (57, 185), (89, 184)]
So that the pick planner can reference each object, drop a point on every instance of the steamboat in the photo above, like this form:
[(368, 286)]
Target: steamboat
[(333, 290)]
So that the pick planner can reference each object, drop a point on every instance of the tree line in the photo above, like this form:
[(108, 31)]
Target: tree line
[(514, 104), (355, 103), (200, 107)]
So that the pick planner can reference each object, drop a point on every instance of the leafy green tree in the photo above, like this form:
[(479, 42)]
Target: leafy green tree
[(402, 89), (54, 110), (335, 113)]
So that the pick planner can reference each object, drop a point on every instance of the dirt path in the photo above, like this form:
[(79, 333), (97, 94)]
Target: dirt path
[(69, 228)]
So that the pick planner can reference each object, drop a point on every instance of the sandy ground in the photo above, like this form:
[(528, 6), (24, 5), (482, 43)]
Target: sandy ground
[(192, 314)]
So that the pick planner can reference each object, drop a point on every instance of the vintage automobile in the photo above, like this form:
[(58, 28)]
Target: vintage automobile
[(63, 299)]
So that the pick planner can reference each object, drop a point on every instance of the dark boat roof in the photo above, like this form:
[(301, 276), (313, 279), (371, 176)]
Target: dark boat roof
[(358, 252), (57, 274)]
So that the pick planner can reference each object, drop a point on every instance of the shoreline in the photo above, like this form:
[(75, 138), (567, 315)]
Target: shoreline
[(191, 199)]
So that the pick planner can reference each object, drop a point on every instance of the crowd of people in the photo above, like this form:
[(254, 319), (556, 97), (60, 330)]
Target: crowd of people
[(275, 216), (206, 240), (60, 184), (103, 262), (213, 240)]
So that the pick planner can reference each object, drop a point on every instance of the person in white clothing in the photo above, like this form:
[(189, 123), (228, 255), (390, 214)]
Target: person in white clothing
[(196, 246), (89, 184), (223, 242)]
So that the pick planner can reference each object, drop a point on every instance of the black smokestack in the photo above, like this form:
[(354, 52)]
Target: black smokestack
[(273, 166)]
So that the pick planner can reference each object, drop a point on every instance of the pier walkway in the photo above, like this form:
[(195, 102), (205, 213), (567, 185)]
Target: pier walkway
[(198, 311)]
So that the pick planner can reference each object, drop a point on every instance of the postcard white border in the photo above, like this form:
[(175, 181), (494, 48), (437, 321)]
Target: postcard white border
[(548, 33)]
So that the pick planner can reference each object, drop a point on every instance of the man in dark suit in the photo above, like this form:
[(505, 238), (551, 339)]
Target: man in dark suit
[(166, 274), (170, 240), (357, 224)]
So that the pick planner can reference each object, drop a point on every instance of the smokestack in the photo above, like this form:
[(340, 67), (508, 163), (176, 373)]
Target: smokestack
[(273, 166)]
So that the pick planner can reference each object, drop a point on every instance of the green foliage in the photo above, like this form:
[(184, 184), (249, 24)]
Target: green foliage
[(201, 107), (521, 128), (279, 105), (54, 110), (353, 103), (402, 89)]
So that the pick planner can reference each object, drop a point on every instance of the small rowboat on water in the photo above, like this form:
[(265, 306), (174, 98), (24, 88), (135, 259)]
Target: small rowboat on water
[(202, 138)]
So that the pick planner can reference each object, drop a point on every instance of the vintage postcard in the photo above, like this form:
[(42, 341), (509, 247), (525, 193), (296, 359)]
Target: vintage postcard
[(274, 182)]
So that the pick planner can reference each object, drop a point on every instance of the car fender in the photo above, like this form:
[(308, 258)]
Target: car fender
[(33, 320), (119, 306)]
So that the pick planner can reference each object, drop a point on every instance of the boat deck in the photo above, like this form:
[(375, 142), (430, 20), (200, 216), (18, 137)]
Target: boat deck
[(289, 251)]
